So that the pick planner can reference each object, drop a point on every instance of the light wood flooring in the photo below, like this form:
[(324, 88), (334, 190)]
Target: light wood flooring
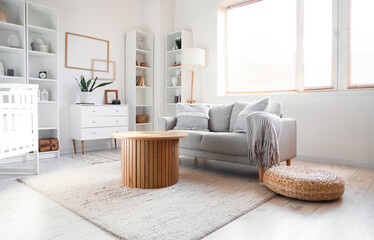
[(26, 214)]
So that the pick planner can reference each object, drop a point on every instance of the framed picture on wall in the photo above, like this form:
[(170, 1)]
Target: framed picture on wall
[(110, 95), (2, 68)]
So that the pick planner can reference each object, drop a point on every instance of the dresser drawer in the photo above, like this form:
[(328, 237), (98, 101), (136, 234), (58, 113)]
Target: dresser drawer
[(104, 111), (88, 122), (101, 133)]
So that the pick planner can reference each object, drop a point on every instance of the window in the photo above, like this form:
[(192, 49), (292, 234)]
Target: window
[(283, 45), (261, 46), (361, 44), (319, 62)]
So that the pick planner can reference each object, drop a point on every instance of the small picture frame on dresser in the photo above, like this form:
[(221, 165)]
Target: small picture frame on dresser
[(110, 95)]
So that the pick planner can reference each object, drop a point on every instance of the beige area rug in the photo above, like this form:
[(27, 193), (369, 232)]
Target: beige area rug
[(200, 203), (99, 157)]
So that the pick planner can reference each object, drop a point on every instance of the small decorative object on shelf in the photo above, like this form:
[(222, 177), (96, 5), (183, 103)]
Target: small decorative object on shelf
[(44, 95), (178, 41), (13, 41), (35, 46), (2, 16), (116, 102), (141, 118), (174, 81), (174, 48), (143, 64), (110, 96), (175, 64), (48, 145), (44, 48), (86, 88), (139, 44), (177, 99), (2, 68), (10, 72), (42, 74)]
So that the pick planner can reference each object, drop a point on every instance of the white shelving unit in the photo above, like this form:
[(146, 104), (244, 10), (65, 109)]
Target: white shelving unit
[(139, 98), (42, 22), (13, 58), (184, 81)]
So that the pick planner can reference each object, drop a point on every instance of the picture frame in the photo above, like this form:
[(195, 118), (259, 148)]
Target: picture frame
[(110, 76), (81, 49), (2, 68), (110, 95)]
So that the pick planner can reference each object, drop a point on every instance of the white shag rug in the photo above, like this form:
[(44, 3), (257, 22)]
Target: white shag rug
[(200, 203)]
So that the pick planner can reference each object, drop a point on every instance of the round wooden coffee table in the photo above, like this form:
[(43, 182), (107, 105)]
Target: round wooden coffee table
[(149, 159)]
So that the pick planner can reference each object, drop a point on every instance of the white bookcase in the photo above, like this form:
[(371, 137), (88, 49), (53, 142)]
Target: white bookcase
[(30, 21), (172, 56), (139, 98), (13, 58), (42, 23)]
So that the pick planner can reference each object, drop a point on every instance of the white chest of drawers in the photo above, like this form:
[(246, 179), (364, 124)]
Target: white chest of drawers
[(92, 122)]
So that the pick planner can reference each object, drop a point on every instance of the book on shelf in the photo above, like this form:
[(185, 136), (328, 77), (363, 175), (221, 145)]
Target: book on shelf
[(139, 80)]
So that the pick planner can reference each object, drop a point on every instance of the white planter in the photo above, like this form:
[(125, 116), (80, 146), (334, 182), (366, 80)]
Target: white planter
[(86, 97)]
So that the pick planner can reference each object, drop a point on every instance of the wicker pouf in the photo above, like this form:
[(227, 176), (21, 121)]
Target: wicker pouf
[(304, 183)]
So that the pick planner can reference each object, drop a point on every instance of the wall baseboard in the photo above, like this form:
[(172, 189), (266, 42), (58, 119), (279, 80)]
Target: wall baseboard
[(335, 161)]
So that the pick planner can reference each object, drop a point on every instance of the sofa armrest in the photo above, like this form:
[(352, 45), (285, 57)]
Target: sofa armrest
[(168, 123), (287, 139)]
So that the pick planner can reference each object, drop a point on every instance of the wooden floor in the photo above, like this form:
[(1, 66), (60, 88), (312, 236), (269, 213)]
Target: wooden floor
[(26, 214)]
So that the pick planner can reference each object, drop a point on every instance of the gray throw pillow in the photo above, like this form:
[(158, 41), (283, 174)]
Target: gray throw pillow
[(262, 105), (275, 108), (192, 117), (219, 117)]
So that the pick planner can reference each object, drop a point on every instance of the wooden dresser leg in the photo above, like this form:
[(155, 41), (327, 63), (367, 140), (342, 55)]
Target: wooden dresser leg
[(115, 143), (75, 148), (288, 162), (82, 147), (260, 173)]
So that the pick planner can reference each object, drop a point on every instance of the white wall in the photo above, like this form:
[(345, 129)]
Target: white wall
[(110, 20), (158, 18), (332, 126)]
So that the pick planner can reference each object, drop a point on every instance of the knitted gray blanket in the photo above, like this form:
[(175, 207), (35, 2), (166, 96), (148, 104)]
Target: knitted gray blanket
[(263, 131)]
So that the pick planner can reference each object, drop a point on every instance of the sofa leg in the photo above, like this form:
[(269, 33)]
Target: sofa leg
[(195, 160), (288, 162), (260, 173)]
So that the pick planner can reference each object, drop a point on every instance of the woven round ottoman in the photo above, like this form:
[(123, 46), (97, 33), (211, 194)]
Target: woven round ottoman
[(304, 183)]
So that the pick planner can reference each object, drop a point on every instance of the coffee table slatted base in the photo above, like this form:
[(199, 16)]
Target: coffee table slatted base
[(150, 164)]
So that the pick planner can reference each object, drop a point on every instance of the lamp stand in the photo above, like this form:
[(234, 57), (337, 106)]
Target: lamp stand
[(191, 101)]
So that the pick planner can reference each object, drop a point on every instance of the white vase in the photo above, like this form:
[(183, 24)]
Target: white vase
[(174, 81), (13, 41), (86, 97)]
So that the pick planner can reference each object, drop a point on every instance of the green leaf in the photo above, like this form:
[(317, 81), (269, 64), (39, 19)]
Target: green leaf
[(102, 85), (93, 84), (84, 85), (80, 86), (88, 84)]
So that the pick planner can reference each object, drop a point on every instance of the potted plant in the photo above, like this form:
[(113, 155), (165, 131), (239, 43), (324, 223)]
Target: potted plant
[(87, 88)]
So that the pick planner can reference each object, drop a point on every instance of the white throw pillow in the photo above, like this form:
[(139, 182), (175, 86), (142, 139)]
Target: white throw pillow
[(262, 105), (275, 108)]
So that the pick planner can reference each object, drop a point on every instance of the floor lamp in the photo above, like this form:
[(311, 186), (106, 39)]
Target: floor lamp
[(193, 59)]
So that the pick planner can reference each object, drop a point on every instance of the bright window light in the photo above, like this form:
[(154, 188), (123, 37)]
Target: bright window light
[(261, 46), (361, 43), (318, 40)]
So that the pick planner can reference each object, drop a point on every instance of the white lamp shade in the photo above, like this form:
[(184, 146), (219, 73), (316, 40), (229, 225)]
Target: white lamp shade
[(193, 58)]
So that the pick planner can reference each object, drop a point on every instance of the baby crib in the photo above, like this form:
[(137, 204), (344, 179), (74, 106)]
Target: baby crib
[(19, 124)]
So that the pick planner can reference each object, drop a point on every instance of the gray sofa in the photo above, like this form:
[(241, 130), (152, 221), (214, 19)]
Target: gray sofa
[(221, 144)]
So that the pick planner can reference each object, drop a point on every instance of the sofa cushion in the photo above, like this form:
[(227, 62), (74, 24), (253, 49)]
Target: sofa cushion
[(192, 117), (225, 143), (193, 141), (238, 107), (275, 108), (262, 105), (219, 117)]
